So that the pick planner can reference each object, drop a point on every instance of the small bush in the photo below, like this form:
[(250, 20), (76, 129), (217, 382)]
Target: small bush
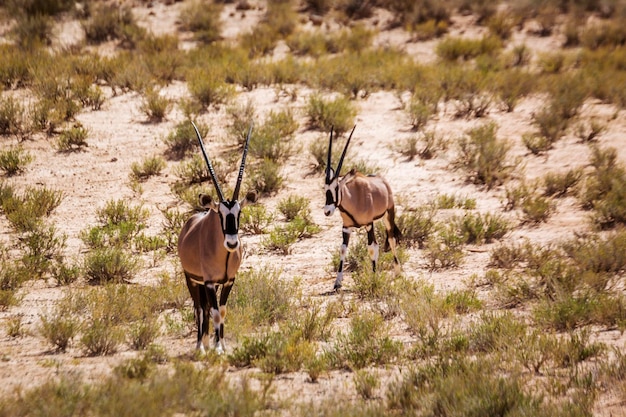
[(149, 167), (265, 177), (73, 139), (417, 226), (143, 332), (108, 22), (484, 156), (203, 20), (154, 105), (60, 326), (477, 228), (273, 139), (452, 48), (101, 337), (326, 114), (11, 115), (537, 144), (365, 344), (537, 208), (262, 296), (560, 185), (25, 211), (13, 160), (293, 206), (444, 250), (365, 383), (255, 219), (208, 88), (183, 139), (109, 265)]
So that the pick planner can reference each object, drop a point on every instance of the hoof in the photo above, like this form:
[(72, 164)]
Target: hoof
[(337, 286)]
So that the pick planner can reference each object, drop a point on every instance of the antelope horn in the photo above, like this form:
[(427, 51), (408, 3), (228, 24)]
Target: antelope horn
[(243, 164), (330, 151), (208, 163), (343, 154)]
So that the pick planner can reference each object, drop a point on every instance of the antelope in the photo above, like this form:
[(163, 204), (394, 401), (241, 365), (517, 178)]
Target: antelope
[(210, 252), (361, 199)]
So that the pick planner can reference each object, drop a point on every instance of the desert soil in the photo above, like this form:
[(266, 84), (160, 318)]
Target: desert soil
[(120, 135)]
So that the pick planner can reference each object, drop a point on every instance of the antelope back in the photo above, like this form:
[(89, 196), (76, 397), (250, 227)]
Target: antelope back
[(365, 198)]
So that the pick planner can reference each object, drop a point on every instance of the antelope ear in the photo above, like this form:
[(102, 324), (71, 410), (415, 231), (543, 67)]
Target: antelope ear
[(206, 201), (251, 197)]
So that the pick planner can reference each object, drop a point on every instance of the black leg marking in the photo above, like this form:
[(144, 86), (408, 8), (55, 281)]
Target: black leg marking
[(371, 243)]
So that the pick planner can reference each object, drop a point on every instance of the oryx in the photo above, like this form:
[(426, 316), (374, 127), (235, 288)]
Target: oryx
[(210, 252), (361, 199)]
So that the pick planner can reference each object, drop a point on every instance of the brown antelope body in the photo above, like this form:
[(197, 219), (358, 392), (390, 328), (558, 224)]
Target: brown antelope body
[(361, 200), (210, 254)]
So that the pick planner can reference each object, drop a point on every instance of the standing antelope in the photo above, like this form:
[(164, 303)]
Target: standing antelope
[(361, 200), (210, 252)]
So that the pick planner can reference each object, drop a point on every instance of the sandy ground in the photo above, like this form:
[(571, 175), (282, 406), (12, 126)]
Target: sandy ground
[(119, 136)]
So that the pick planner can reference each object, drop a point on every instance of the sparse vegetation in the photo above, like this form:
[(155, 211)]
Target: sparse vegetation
[(523, 333)]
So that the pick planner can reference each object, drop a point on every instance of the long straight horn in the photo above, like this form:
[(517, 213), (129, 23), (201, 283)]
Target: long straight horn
[(243, 164), (343, 154), (330, 152), (208, 163)]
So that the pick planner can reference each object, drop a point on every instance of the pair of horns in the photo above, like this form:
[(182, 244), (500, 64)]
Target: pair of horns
[(212, 171), (343, 154)]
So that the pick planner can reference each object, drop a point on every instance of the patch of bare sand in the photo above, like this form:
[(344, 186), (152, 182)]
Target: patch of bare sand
[(120, 135)]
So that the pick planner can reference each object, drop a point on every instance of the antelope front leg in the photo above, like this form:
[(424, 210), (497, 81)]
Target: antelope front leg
[(372, 245), (346, 231), (223, 298), (215, 313)]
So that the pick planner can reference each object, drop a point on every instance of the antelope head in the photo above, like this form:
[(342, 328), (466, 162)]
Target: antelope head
[(331, 183), (229, 211)]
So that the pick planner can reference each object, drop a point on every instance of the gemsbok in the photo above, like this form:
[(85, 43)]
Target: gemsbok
[(361, 199), (210, 252)]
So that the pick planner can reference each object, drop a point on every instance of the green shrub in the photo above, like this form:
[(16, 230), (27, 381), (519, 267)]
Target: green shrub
[(60, 326), (73, 139), (537, 208), (293, 206), (444, 250), (40, 246), (106, 265), (203, 20), (255, 219), (207, 87), (149, 167), (539, 144), (365, 383), (108, 22), (143, 332), (484, 156), (513, 85), (265, 177), (154, 105), (560, 185), (11, 116), (324, 114), (417, 226), (477, 228), (183, 139), (101, 337), (13, 160), (273, 140), (262, 296), (452, 48), (365, 344), (25, 211)]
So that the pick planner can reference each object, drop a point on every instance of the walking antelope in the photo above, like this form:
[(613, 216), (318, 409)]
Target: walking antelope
[(361, 200), (210, 252)]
